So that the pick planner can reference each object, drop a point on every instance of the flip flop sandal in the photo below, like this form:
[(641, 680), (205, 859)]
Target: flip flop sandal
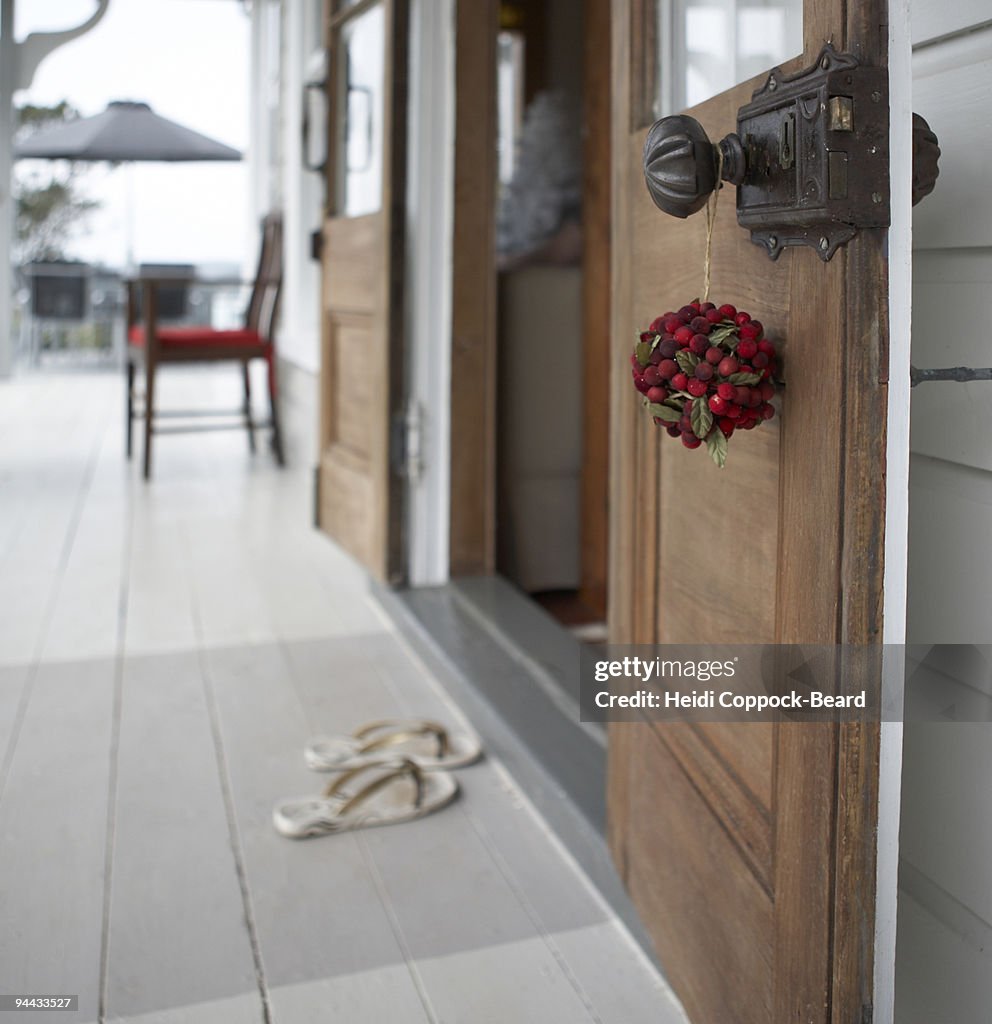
[(428, 744), (386, 792)]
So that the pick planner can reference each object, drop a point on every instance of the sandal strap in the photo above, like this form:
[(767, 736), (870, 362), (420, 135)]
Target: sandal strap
[(398, 768), (400, 732)]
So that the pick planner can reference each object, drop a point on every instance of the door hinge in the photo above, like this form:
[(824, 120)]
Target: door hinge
[(408, 442)]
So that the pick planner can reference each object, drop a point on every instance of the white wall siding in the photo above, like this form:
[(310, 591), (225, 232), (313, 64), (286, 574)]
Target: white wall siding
[(944, 958)]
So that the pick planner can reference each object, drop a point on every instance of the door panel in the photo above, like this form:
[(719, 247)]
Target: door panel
[(361, 384), (749, 849)]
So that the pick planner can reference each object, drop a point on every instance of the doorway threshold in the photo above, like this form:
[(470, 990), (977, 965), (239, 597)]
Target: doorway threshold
[(515, 672)]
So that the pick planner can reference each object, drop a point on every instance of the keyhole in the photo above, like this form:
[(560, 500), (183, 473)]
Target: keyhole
[(787, 141)]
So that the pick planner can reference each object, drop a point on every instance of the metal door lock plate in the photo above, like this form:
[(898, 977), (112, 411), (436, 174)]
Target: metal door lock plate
[(816, 156), (810, 157)]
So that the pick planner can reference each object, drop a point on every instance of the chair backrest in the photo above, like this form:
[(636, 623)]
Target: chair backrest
[(172, 299), (264, 305)]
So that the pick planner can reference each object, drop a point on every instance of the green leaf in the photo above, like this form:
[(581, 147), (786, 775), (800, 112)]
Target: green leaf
[(701, 418), (719, 334), (716, 445), (744, 379), (643, 352), (687, 361), (663, 412), (673, 403)]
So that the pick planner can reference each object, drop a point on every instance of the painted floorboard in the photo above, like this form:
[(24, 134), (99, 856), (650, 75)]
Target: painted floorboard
[(177, 925), (367, 997), (53, 826), (317, 910)]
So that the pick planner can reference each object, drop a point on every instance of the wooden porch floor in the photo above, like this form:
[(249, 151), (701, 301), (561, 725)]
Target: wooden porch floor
[(165, 651)]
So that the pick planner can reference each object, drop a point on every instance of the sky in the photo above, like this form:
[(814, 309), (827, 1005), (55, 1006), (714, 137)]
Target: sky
[(189, 59)]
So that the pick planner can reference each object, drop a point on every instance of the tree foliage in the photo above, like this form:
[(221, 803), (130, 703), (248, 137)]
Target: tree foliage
[(49, 196)]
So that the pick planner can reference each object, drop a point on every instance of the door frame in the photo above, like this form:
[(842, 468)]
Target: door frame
[(429, 278), (900, 252), (473, 487)]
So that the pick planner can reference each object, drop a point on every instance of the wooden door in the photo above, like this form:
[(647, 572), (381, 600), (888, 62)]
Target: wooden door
[(361, 383), (749, 850)]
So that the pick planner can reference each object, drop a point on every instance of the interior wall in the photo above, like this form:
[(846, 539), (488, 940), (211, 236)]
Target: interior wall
[(944, 952)]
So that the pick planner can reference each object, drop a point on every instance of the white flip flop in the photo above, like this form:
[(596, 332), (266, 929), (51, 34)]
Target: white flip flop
[(385, 792), (426, 743)]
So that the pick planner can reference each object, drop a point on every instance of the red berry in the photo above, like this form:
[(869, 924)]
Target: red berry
[(688, 313), (657, 325), (754, 399), (703, 371), (767, 347), (766, 389), (767, 411), (679, 381), (641, 384), (696, 387), (728, 312), (713, 315), (717, 405), (652, 376), (656, 394), (691, 441), (726, 424), (706, 307), (635, 362), (750, 331), (727, 366), (656, 357), (671, 323), (667, 369), (673, 429), (726, 391), (699, 344), (684, 335), (667, 347), (760, 361), (701, 325), (759, 326), (747, 349), (742, 318), (733, 411), (714, 355)]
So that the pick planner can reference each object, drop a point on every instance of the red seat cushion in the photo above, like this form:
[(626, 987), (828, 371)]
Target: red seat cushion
[(191, 337)]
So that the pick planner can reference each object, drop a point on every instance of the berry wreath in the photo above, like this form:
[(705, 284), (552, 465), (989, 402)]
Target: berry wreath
[(705, 372)]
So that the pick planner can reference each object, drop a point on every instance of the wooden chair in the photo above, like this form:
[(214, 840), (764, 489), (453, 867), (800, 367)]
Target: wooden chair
[(154, 345)]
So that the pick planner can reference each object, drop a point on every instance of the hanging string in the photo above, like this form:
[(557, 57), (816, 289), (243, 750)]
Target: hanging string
[(710, 221)]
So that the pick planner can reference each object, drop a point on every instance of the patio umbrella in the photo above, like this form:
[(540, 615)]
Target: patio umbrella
[(126, 132)]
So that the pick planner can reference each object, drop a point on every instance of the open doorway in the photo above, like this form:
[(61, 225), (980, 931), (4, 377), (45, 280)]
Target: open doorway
[(552, 306)]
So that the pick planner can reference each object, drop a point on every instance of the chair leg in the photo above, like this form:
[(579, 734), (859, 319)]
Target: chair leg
[(130, 405), (274, 413), (149, 414), (249, 426)]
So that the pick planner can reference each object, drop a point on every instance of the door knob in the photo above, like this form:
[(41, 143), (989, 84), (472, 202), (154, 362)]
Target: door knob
[(809, 157)]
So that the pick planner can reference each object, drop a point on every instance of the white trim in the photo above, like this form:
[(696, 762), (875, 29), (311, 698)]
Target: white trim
[(896, 504), (299, 336), (430, 195)]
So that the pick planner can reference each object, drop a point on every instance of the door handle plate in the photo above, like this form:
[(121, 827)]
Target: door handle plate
[(810, 157)]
